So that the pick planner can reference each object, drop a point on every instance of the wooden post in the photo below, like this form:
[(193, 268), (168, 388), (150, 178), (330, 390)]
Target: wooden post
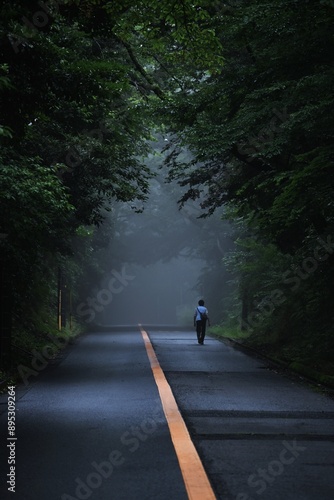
[(70, 299), (59, 299)]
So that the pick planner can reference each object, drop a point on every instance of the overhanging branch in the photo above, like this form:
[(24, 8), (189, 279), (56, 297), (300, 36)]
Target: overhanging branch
[(153, 86)]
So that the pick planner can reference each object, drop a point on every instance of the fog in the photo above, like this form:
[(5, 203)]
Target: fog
[(163, 293), (162, 261)]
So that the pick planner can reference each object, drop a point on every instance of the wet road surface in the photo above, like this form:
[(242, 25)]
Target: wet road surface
[(92, 426), (261, 435)]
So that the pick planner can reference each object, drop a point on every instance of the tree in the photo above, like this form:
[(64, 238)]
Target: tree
[(261, 137), (78, 85)]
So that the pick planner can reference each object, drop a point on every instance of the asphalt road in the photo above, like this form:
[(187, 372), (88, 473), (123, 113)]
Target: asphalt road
[(92, 425), (261, 435)]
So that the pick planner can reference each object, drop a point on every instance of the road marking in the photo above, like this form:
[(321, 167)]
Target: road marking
[(196, 481)]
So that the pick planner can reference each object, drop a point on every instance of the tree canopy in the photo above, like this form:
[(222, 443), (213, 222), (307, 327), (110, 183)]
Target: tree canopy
[(261, 136), (79, 86)]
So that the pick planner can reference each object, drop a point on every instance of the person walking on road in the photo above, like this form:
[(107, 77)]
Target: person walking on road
[(201, 316)]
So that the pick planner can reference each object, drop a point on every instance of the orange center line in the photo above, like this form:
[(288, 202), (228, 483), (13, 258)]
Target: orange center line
[(195, 479)]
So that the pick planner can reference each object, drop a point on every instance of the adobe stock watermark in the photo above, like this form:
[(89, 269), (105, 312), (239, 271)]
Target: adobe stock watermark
[(129, 442), (256, 144), (292, 277), (265, 477), (92, 305), (41, 359), (39, 20), (73, 156)]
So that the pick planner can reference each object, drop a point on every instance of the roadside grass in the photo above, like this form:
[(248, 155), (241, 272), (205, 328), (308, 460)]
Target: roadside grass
[(304, 358), (295, 354), (29, 342), (229, 332)]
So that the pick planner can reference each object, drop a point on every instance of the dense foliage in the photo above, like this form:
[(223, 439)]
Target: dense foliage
[(261, 133), (78, 85)]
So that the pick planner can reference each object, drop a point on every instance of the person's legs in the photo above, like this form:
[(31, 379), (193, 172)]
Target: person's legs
[(199, 330), (203, 330)]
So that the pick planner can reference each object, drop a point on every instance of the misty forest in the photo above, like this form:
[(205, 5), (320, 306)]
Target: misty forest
[(157, 153)]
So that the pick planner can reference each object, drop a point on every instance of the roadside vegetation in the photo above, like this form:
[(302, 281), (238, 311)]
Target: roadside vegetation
[(296, 356)]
